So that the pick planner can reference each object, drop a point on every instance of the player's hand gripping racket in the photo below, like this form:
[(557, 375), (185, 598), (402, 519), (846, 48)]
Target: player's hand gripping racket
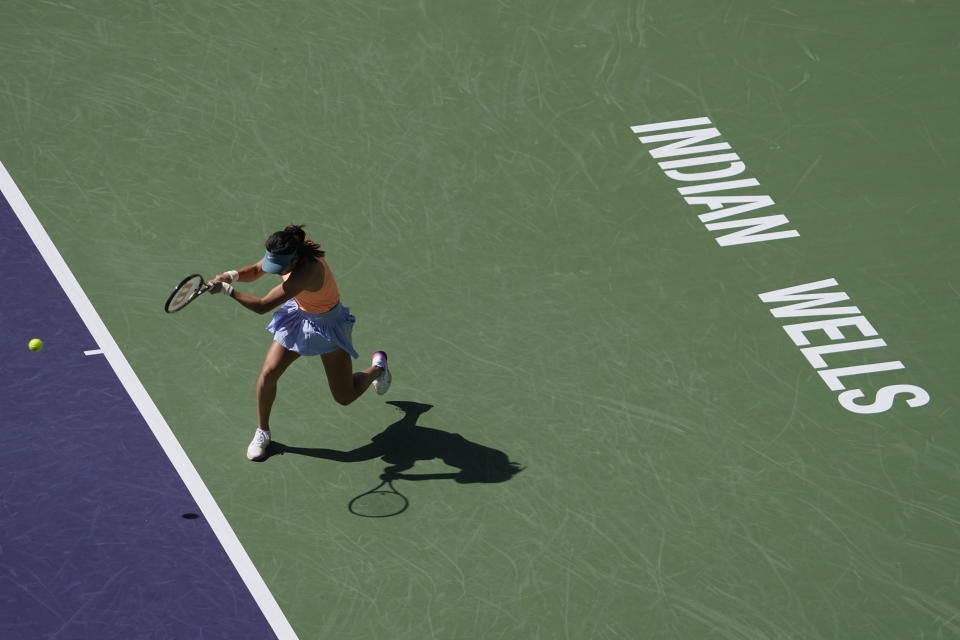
[(186, 292)]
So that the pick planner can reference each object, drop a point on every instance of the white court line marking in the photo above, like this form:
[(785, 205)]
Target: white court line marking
[(161, 430), (93, 352)]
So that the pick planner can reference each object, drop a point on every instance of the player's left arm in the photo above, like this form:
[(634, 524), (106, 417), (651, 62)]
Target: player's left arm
[(277, 296)]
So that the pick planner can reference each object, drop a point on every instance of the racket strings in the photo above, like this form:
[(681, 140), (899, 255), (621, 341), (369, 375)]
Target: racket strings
[(183, 294)]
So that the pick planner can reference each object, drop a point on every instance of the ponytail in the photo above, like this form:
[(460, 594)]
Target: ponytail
[(296, 231), (294, 239)]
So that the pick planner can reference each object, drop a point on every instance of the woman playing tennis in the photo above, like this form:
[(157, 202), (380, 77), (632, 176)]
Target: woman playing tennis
[(310, 321)]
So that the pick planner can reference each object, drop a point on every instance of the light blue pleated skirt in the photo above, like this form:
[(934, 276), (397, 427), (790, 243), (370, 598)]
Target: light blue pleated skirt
[(311, 334)]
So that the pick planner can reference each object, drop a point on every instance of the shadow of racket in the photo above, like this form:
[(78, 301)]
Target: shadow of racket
[(379, 502)]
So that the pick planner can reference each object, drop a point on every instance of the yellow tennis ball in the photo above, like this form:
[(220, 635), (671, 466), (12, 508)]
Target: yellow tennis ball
[(36, 344)]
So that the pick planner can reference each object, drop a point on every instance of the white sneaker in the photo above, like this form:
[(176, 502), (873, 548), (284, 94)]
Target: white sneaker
[(381, 384), (258, 446)]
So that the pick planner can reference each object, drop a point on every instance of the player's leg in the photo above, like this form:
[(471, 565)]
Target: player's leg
[(277, 360), (345, 385)]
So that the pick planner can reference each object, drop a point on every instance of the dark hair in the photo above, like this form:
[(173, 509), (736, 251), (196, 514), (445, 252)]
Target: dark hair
[(294, 239)]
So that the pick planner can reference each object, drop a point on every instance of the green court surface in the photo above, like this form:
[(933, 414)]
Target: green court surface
[(498, 228)]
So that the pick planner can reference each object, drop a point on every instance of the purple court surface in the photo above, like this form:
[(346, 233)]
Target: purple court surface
[(99, 535)]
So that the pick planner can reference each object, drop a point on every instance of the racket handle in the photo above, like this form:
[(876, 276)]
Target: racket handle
[(225, 288)]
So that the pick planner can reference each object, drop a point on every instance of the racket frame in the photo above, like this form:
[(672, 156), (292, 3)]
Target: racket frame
[(203, 287)]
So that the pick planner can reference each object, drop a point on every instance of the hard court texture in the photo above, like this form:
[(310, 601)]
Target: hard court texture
[(546, 296)]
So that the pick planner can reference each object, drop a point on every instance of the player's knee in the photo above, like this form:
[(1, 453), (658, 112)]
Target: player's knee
[(343, 398), (269, 375)]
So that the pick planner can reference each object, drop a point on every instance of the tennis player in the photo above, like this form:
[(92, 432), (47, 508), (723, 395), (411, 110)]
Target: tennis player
[(310, 321)]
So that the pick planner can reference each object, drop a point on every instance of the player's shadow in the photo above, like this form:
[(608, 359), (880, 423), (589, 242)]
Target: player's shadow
[(404, 442)]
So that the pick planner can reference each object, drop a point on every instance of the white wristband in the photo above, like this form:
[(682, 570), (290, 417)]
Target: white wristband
[(226, 289), (233, 275)]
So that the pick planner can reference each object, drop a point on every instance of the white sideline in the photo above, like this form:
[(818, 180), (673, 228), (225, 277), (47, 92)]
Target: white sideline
[(161, 430)]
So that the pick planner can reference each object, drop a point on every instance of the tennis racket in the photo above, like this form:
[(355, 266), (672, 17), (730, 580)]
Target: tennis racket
[(186, 292), (379, 502)]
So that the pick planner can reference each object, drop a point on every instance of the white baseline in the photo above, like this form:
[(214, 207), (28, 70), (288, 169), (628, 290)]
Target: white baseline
[(161, 430)]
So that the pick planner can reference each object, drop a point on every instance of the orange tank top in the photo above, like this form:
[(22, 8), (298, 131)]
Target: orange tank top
[(319, 301)]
